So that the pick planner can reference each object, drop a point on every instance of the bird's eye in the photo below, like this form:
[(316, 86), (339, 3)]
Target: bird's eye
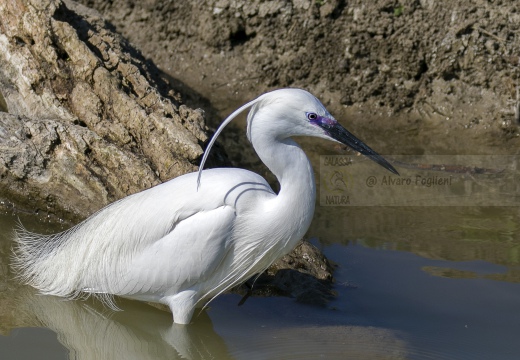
[(312, 116)]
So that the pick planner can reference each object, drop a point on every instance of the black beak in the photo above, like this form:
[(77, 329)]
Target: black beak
[(339, 133)]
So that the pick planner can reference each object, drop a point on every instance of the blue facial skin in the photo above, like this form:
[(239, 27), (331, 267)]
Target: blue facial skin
[(326, 123), (320, 121), (339, 133)]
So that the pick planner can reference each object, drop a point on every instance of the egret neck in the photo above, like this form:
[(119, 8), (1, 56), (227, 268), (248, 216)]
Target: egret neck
[(296, 199)]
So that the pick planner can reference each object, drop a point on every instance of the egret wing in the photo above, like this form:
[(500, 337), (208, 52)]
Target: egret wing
[(190, 254)]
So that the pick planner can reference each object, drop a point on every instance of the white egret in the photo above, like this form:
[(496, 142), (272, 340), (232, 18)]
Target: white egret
[(188, 240)]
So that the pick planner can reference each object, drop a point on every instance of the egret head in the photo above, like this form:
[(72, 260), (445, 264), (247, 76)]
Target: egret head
[(294, 112), (285, 113)]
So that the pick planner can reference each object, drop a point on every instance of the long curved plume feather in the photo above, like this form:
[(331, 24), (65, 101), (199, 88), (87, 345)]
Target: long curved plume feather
[(219, 130)]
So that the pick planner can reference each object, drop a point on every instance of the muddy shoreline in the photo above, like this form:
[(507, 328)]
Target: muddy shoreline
[(453, 65)]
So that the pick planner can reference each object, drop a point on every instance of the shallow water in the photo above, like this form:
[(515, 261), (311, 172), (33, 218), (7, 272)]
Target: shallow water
[(433, 278), (439, 283)]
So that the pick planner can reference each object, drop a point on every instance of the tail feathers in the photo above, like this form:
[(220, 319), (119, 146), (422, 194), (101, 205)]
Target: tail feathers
[(29, 251), (35, 262)]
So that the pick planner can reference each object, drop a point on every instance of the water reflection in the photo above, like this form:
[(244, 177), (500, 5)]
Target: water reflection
[(90, 331), (263, 328)]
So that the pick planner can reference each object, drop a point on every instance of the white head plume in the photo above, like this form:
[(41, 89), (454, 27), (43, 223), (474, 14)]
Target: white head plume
[(219, 130)]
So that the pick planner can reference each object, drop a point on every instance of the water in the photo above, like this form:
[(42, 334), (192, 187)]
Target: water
[(413, 282)]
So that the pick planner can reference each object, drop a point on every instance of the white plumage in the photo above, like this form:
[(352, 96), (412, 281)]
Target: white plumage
[(184, 242)]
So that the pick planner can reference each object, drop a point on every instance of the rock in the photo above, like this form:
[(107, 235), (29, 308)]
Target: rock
[(304, 274), (87, 120)]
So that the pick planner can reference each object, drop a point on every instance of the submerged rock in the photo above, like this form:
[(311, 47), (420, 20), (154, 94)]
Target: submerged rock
[(304, 274)]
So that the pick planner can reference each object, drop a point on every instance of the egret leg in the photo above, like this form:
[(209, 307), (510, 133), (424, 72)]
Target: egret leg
[(182, 306)]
